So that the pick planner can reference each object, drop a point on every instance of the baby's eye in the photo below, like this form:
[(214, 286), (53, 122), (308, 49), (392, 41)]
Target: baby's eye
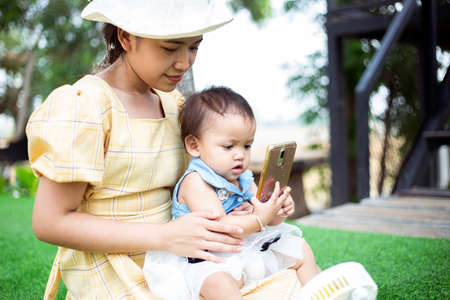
[(228, 147), (248, 146)]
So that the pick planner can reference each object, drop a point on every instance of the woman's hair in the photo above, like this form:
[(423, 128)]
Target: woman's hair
[(113, 47), (201, 105)]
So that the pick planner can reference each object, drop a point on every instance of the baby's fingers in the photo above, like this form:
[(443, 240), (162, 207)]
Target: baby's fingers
[(287, 191), (275, 193), (288, 211), (276, 190), (282, 213)]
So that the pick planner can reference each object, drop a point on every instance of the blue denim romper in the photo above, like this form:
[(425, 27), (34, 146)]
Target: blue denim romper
[(227, 192)]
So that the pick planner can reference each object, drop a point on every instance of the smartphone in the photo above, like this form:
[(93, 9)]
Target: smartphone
[(277, 167)]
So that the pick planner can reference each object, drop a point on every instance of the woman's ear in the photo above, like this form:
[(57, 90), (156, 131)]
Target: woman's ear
[(124, 39), (192, 147)]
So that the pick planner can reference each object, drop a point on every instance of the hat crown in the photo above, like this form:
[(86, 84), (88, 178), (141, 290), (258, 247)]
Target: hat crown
[(159, 18)]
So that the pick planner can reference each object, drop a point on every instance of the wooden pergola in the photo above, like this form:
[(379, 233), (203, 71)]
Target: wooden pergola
[(426, 26)]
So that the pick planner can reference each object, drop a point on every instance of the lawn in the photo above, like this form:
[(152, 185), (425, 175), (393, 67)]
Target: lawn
[(402, 267)]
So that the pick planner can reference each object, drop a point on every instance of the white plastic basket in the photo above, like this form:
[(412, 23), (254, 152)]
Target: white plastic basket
[(345, 281)]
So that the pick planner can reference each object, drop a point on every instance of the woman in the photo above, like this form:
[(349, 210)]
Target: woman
[(108, 152)]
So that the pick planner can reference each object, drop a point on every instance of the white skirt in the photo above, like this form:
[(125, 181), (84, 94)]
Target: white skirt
[(171, 277)]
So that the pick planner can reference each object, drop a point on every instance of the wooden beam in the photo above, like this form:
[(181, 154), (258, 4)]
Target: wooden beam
[(338, 123), (428, 60)]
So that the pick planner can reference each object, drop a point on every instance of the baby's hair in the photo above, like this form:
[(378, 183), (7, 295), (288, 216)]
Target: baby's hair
[(201, 105)]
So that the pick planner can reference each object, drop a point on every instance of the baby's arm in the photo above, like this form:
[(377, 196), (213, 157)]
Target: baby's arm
[(199, 195), (244, 209)]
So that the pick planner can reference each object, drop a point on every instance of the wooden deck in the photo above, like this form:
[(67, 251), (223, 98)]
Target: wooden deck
[(398, 215)]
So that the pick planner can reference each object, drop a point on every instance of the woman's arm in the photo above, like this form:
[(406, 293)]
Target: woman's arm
[(199, 195), (57, 221)]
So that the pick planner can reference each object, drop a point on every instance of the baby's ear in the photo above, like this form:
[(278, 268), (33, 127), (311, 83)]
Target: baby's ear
[(192, 147)]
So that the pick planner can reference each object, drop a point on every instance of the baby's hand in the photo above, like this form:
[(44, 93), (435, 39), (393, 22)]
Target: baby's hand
[(288, 207), (242, 210), (268, 210)]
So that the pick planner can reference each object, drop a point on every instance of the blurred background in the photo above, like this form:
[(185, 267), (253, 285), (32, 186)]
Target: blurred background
[(274, 53)]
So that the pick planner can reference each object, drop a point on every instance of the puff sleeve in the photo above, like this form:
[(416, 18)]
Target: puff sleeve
[(179, 98), (66, 137)]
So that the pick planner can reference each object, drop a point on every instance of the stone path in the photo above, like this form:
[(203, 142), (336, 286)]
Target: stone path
[(408, 216)]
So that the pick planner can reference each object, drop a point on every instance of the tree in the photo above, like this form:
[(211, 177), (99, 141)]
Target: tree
[(43, 45)]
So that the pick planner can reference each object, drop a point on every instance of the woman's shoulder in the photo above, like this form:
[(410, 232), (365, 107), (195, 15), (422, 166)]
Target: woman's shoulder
[(87, 98), (173, 100), (95, 90)]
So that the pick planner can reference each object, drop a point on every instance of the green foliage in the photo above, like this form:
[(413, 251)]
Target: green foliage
[(65, 47), (3, 184), (26, 180), (26, 183), (291, 5), (311, 80), (9, 10), (260, 10)]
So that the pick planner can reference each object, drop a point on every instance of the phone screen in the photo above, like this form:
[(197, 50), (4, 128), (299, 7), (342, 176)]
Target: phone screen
[(277, 167)]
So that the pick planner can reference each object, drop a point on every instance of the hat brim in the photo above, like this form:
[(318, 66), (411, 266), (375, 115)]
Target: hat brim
[(93, 12)]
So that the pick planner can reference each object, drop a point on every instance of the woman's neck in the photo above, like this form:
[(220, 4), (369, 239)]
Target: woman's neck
[(122, 77), (135, 95)]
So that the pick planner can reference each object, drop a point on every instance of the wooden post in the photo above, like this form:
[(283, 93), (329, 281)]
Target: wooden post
[(338, 122)]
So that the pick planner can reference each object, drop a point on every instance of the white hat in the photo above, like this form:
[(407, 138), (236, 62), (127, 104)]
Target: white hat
[(158, 19)]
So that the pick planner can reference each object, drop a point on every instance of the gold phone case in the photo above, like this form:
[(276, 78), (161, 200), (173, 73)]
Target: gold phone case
[(277, 167)]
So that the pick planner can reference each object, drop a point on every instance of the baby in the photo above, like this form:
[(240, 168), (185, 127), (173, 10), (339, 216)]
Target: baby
[(218, 128)]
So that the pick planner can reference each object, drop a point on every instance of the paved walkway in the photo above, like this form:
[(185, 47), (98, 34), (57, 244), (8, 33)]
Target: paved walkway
[(408, 216)]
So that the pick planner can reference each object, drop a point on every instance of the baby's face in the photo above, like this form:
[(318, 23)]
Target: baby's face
[(225, 144)]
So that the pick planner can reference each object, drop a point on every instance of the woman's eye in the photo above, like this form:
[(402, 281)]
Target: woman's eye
[(169, 49), (195, 46)]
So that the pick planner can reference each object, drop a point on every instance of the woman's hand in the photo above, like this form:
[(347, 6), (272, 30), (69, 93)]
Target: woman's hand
[(242, 210), (196, 233)]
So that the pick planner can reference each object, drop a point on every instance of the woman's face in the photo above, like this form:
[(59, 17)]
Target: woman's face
[(161, 64)]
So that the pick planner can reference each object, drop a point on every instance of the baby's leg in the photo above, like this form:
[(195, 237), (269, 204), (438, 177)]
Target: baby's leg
[(220, 286), (306, 268)]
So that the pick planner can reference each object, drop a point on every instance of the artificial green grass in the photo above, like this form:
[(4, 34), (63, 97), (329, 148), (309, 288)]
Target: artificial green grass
[(402, 267), (25, 262)]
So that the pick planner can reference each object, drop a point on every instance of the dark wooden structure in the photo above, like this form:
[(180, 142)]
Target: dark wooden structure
[(426, 25)]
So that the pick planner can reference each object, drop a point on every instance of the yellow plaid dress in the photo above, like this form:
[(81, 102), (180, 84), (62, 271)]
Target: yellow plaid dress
[(83, 133)]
